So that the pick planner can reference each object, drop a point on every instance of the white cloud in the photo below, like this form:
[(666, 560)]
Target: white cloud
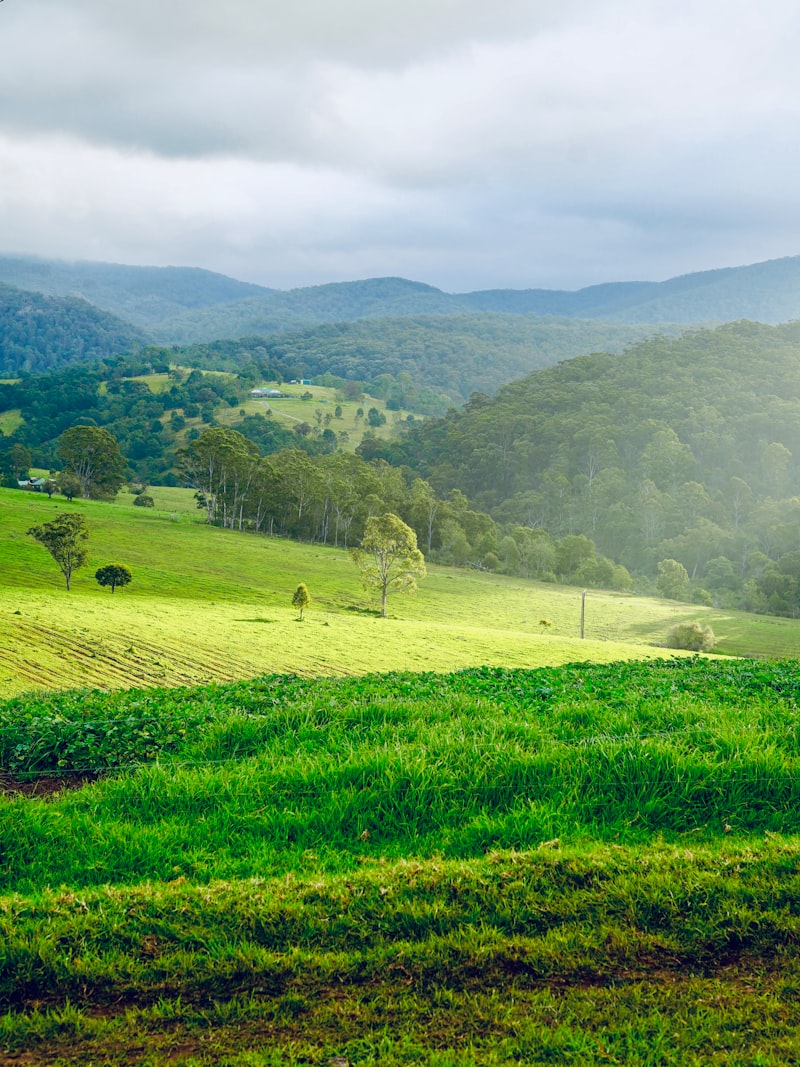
[(460, 142)]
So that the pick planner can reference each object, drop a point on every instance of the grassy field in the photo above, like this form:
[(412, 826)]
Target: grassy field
[(305, 861), (579, 865), (208, 604), (323, 401)]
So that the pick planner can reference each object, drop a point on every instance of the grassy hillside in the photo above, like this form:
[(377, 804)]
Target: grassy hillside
[(209, 604)]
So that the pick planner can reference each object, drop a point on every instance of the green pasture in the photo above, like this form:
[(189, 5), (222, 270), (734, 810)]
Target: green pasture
[(10, 421), (323, 400), (208, 604)]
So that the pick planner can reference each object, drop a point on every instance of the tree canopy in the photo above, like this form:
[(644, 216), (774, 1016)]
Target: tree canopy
[(65, 539), (388, 558), (92, 454), (114, 575)]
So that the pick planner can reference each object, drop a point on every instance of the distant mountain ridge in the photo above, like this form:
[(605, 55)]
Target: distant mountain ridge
[(181, 305), (144, 296), (766, 292)]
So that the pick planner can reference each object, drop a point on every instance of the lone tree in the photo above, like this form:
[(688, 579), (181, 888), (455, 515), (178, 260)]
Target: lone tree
[(301, 599), (673, 579), (388, 558), (65, 539), (68, 485), (113, 574), (92, 454)]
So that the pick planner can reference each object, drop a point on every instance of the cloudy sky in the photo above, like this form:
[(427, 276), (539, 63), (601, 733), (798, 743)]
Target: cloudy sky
[(466, 143)]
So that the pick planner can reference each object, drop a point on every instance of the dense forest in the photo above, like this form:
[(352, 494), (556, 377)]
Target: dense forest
[(685, 449), (40, 332), (427, 363)]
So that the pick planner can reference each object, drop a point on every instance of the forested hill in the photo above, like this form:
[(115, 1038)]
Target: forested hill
[(181, 305), (453, 355), (293, 309), (764, 292), (687, 448), (144, 296), (39, 333)]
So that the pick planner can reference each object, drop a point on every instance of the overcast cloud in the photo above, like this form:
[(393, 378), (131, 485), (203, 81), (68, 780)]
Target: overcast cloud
[(467, 144)]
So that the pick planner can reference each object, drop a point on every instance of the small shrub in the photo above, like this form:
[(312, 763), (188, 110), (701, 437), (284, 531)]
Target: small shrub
[(144, 500), (691, 636), (301, 599)]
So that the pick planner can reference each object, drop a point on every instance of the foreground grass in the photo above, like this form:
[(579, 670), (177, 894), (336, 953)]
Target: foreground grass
[(586, 865), (280, 774), (207, 604), (585, 956)]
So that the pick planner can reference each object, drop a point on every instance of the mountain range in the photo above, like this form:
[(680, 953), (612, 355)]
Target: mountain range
[(180, 305)]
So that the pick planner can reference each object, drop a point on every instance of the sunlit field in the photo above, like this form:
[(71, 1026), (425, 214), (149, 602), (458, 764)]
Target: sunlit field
[(208, 604)]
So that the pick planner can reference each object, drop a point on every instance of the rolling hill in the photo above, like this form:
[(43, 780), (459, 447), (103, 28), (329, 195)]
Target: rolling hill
[(144, 296), (684, 448), (180, 305), (39, 333)]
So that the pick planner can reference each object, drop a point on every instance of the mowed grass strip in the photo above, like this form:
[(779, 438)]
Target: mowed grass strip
[(595, 954)]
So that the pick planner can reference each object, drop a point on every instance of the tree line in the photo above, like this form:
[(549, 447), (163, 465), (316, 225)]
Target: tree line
[(330, 498)]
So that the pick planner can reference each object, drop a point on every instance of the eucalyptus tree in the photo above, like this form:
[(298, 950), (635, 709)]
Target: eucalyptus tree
[(388, 558), (92, 454), (221, 465), (65, 539)]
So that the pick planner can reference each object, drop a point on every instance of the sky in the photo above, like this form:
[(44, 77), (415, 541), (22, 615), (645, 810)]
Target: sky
[(463, 143)]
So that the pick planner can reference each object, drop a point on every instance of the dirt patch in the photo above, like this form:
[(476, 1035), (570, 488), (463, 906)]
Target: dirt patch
[(45, 785)]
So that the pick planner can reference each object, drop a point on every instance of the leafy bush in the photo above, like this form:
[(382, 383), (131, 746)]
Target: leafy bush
[(144, 500), (692, 636)]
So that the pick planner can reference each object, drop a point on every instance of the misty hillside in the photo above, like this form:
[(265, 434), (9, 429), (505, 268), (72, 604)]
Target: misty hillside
[(145, 296), (181, 305), (683, 447), (454, 355), (764, 292), (39, 333)]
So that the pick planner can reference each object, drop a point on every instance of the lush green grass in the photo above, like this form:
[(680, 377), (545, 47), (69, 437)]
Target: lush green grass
[(279, 774), (210, 604), (10, 420), (586, 865), (566, 956)]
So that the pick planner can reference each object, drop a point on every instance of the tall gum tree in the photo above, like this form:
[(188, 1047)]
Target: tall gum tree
[(388, 558)]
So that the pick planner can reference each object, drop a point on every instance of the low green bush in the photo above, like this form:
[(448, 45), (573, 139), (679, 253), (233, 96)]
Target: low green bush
[(691, 636)]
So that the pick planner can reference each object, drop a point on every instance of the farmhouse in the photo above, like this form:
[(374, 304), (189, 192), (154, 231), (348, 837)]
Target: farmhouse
[(34, 484)]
